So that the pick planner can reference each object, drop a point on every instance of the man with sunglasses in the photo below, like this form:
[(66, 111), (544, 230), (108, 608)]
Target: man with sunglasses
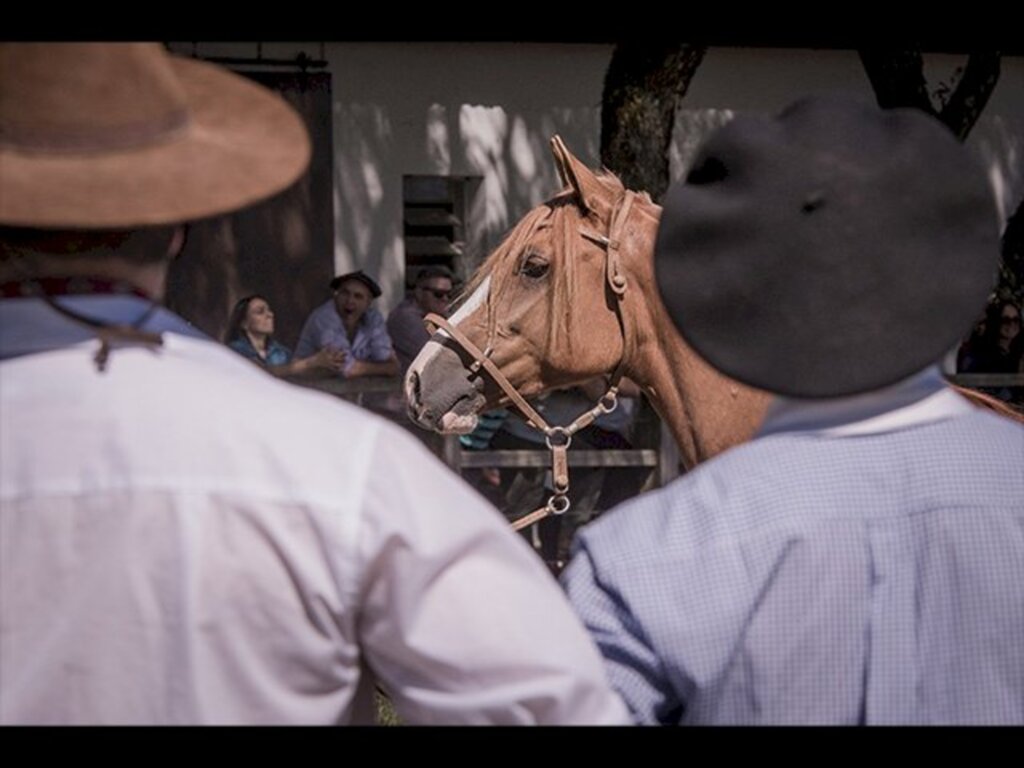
[(432, 293)]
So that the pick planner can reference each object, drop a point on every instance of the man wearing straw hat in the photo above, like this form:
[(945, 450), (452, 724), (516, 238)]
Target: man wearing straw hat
[(861, 560), (183, 538)]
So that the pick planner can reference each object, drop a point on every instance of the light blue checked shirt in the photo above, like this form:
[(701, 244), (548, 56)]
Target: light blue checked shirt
[(324, 328), (861, 561)]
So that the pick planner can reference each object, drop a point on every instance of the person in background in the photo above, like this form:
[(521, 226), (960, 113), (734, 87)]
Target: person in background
[(348, 322), (859, 561), (997, 346), (184, 539), (432, 293), (250, 333)]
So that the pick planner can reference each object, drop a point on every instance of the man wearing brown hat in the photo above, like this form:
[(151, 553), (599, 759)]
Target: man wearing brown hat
[(183, 538), (861, 560)]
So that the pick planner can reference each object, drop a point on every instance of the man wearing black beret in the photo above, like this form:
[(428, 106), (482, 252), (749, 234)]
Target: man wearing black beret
[(861, 560)]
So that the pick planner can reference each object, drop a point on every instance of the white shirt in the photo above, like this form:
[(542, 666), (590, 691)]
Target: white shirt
[(185, 539)]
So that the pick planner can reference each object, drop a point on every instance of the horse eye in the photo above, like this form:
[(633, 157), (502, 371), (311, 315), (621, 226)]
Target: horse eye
[(534, 267)]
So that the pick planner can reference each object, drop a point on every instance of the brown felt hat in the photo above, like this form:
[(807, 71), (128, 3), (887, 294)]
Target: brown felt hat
[(124, 135), (831, 250)]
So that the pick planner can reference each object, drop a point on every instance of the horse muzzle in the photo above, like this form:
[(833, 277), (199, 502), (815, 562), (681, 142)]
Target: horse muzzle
[(439, 393)]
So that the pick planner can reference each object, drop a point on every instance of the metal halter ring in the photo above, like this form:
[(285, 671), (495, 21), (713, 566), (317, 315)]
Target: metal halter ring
[(558, 504), (608, 402), (475, 366), (562, 432)]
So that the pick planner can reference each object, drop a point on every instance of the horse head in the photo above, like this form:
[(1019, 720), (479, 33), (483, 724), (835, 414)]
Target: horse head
[(544, 309)]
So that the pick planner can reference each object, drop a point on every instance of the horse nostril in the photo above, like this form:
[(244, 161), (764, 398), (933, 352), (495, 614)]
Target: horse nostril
[(414, 397), (414, 380)]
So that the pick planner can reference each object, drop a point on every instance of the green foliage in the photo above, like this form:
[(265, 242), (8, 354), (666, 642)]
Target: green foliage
[(386, 714)]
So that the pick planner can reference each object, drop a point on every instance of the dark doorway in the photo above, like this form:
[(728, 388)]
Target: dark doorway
[(282, 248)]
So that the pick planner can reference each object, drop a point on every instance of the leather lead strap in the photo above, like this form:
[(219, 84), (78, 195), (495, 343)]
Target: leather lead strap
[(559, 502)]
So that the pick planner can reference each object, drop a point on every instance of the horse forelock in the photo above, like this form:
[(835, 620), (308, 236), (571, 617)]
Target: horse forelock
[(560, 216), (563, 216)]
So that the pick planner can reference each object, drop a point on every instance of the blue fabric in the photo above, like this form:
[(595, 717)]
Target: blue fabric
[(277, 353), (808, 577), (488, 423), (29, 325), (324, 328)]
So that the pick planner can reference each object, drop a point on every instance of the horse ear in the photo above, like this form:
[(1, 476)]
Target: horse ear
[(575, 174)]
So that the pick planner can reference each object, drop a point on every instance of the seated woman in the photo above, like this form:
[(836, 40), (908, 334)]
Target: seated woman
[(250, 332), (996, 346), (347, 322)]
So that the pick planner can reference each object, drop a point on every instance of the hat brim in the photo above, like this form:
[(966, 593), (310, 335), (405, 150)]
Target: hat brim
[(371, 286), (242, 144), (829, 251)]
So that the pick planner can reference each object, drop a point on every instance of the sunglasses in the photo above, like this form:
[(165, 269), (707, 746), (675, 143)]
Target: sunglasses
[(1010, 320)]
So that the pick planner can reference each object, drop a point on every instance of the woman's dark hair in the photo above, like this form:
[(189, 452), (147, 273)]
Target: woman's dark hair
[(241, 308), (993, 322)]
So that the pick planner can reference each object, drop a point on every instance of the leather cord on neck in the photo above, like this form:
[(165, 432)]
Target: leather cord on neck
[(110, 334)]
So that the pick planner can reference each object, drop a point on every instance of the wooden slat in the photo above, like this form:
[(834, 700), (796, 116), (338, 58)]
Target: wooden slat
[(987, 379), (430, 217), (541, 457), (351, 387), (430, 246)]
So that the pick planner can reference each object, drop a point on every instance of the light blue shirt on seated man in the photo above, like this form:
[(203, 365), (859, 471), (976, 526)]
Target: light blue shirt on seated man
[(324, 328)]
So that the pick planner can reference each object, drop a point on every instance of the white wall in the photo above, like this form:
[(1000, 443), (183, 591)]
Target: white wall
[(489, 109), (483, 110)]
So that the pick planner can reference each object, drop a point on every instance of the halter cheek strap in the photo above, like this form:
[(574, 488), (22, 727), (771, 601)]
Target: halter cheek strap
[(558, 438)]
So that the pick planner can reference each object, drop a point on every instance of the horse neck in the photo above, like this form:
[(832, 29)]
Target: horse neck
[(705, 411)]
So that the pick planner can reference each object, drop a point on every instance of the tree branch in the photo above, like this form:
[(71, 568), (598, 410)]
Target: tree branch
[(642, 89), (897, 78), (972, 92)]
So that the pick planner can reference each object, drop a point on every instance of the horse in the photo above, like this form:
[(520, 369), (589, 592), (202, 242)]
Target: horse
[(570, 295)]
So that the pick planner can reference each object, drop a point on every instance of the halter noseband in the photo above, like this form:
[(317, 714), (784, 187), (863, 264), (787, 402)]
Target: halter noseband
[(558, 438)]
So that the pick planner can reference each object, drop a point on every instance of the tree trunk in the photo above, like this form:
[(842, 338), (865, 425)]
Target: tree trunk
[(897, 78), (642, 90)]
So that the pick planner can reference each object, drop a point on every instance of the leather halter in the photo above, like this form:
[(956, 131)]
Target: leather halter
[(558, 438)]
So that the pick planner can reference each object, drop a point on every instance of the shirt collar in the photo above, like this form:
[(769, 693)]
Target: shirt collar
[(28, 325), (920, 399)]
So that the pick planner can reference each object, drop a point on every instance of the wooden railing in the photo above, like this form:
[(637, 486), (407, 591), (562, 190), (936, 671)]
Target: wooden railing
[(657, 451), (354, 390), (1012, 380)]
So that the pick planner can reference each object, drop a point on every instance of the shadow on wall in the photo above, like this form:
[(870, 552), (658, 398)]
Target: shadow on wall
[(367, 194), (509, 151), (1001, 144), (281, 248)]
